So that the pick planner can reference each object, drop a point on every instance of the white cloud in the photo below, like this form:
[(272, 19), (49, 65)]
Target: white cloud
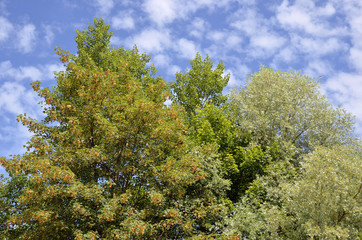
[(161, 60), (13, 138), (328, 10), (318, 46), (354, 20), (6, 28), (197, 28), (345, 89), (356, 58), (9, 95), (233, 40), (318, 67), (307, 17), (43, 72), (173, 69), (248, 26), (216, 36), (27, 72), (260, 31), (116, 41), (285, 55), (49, 34), (47, 71), (123, 21), (250, 21), (224, 41), (151, 41), (161, 11), (267, 41), (166, 11), (264, 45), (16, 99), (26, 38), (105, 6), (232, 80), (352, 10), (186, 48), (237, 75)]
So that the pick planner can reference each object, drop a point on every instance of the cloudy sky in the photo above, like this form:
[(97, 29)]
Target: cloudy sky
[(321, 38)]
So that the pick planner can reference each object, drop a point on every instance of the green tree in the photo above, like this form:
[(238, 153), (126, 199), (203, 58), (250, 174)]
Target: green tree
[(323, 202), (286, 116), (199, 92), (211, 121), (199, 85), (111, 160), (326, 200), (241, 162), (10, 190)]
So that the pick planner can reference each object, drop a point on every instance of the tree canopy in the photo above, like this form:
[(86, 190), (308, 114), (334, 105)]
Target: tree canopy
[(117, 163), (288, 107), (110, 160)]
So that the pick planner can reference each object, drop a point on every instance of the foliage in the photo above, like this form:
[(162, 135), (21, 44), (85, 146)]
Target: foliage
[(199, 85), (110, 160), (10, 190), (278, 106), (199, 92), (327, 199), (323, 202), (217, 122)]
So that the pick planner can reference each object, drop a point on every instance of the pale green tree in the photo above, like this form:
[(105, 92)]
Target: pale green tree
[(288, 107), (326, 200), (323, 202), (287, 110)]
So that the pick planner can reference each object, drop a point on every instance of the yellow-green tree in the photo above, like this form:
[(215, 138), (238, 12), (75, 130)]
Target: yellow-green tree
[(305, 188), (326, 200), (110, 159), (323, 202)]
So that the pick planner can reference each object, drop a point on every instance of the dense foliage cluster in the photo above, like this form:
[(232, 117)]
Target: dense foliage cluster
[(272, 160)]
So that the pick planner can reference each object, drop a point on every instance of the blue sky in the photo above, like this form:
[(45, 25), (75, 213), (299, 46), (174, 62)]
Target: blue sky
[(320, 38)]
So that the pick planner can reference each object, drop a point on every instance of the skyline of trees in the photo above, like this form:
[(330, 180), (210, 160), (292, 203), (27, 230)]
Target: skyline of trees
[(272, 160)]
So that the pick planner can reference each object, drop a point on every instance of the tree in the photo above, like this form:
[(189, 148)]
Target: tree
[(212, 121), (10, 190), (323, 202), (199, 92), (111, 160), (287, 117), (288, 107), (326, 200), (241, 161), (199, 85)]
